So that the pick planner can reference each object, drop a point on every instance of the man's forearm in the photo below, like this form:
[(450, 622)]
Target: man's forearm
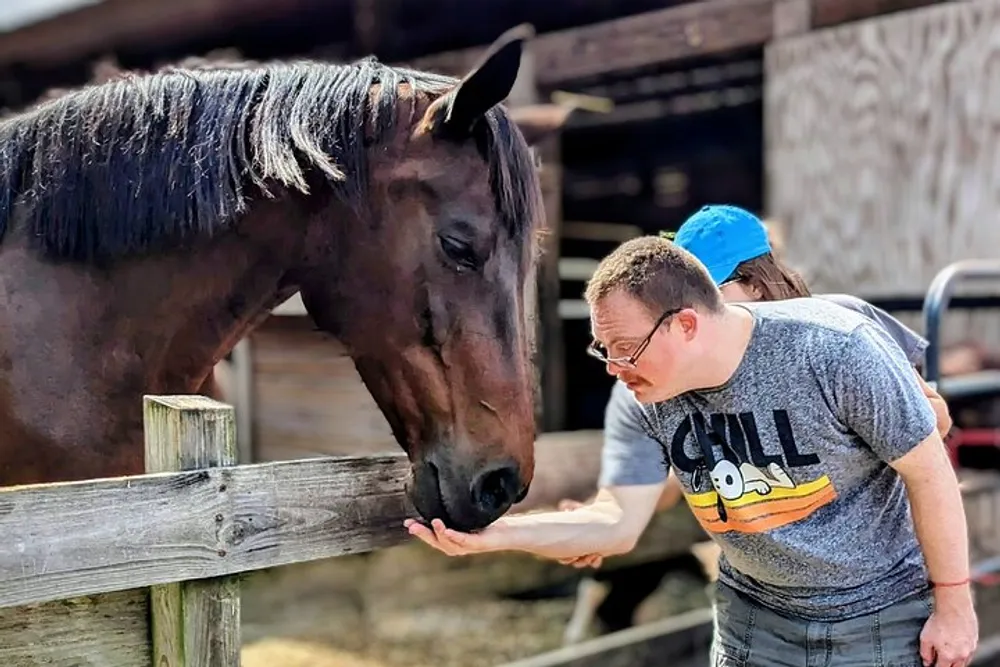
[(938, 511), (592, 529)]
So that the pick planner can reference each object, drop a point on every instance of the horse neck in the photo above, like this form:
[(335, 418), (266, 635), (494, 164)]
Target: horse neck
[(83, 345), (216, 294)]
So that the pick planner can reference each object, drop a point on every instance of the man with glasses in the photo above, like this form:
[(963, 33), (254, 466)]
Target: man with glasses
[(804, 446)]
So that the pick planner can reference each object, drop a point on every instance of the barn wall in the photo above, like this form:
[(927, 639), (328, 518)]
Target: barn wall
[(883, 151), (308, 398)]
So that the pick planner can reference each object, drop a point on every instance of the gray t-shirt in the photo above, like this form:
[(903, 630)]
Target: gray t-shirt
[(812, 520), (632, 456)]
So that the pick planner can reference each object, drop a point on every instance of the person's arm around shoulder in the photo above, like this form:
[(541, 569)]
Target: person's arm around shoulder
[(942, 415), (880, 399)]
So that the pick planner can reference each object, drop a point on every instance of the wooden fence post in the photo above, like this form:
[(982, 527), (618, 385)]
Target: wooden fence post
[(193, 623)]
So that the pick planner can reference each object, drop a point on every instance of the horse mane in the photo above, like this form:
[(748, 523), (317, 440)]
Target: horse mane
[(143, 161)]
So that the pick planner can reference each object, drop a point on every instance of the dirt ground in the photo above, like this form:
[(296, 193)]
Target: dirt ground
[(477, 632)]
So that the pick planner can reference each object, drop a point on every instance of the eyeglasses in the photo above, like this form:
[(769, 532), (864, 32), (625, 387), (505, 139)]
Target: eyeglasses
[(596, 350)]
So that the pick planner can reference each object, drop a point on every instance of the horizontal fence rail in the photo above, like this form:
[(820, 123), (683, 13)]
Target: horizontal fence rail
[(77, 538)]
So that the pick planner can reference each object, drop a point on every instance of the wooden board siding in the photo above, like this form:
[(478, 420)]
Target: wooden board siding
[(86, 631), (882, 140), (308, 398)]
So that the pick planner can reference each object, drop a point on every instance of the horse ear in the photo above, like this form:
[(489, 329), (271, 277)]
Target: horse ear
[(487, 85)]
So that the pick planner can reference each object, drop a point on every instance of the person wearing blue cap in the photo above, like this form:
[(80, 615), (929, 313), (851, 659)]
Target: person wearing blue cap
[(735, 247), (723, 237), (805, 447)]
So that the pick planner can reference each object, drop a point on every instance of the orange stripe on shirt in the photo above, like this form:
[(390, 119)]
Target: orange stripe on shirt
[(766, 515)]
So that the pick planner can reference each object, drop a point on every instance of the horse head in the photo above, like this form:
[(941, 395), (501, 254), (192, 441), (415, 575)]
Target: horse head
[(429, 291)]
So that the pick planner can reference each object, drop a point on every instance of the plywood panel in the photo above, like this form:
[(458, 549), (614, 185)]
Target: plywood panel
[(308, 398), (883, 150)]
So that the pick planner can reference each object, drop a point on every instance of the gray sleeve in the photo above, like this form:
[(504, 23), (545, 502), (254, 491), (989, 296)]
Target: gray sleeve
[(877, 394), (912, 343), (630, 455)]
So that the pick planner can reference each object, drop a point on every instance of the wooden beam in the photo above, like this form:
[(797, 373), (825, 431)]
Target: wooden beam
[(679, 641), (662, 36), (80, 538), (684, 31), (192, 623), (243, 398), (791, 17), (114, 25), (834, 12)]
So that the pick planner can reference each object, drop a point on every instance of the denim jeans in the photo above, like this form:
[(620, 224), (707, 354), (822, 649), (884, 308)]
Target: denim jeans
[(750, 635)]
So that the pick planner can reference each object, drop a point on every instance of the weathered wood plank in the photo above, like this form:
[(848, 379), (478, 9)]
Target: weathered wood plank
[(308, 399), (109, 630), (833, 12), (791, 17), (683, 31), (884, 134), (95, 28), (97, 536), (665, 35), (194, 623), (675, 33)]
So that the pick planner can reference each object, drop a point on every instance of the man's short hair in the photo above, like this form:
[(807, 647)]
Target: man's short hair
[(656, 272)]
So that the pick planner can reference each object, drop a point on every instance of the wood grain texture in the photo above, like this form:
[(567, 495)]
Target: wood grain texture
[(193, 623), (308, 399), (187, 433), (674, 33), (882, 139), (108, 630), (96, 536), (692, 29)]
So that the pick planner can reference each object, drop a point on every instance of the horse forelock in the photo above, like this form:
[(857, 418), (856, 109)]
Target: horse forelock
[(142, 162)]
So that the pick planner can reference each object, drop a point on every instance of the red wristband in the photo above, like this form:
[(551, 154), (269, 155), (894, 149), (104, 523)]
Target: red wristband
[(935, 584)]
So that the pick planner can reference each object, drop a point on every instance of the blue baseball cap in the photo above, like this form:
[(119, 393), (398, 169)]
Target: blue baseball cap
[(722, 237)]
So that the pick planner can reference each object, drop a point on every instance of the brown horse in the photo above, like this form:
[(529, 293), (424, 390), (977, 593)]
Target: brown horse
[(149, 223)]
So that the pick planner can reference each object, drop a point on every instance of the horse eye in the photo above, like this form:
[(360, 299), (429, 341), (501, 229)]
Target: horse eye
[(460, 252)]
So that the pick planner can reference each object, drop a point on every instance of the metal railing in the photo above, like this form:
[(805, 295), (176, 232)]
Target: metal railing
[(936, 302)]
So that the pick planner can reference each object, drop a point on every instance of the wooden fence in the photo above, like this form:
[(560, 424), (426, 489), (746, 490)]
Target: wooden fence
[(143, 570)]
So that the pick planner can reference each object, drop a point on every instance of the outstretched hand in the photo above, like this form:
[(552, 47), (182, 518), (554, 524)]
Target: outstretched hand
[(456, 543)]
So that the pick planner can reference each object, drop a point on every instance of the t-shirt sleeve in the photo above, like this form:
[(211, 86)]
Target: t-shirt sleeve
[(877, 394), (912, 343), (630, 455)]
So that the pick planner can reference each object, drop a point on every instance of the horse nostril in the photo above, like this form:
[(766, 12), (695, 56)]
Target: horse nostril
[(495, 490), (524, 493)]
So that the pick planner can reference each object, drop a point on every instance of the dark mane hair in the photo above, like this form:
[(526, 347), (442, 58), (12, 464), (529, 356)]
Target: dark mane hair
[(135, 163)]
